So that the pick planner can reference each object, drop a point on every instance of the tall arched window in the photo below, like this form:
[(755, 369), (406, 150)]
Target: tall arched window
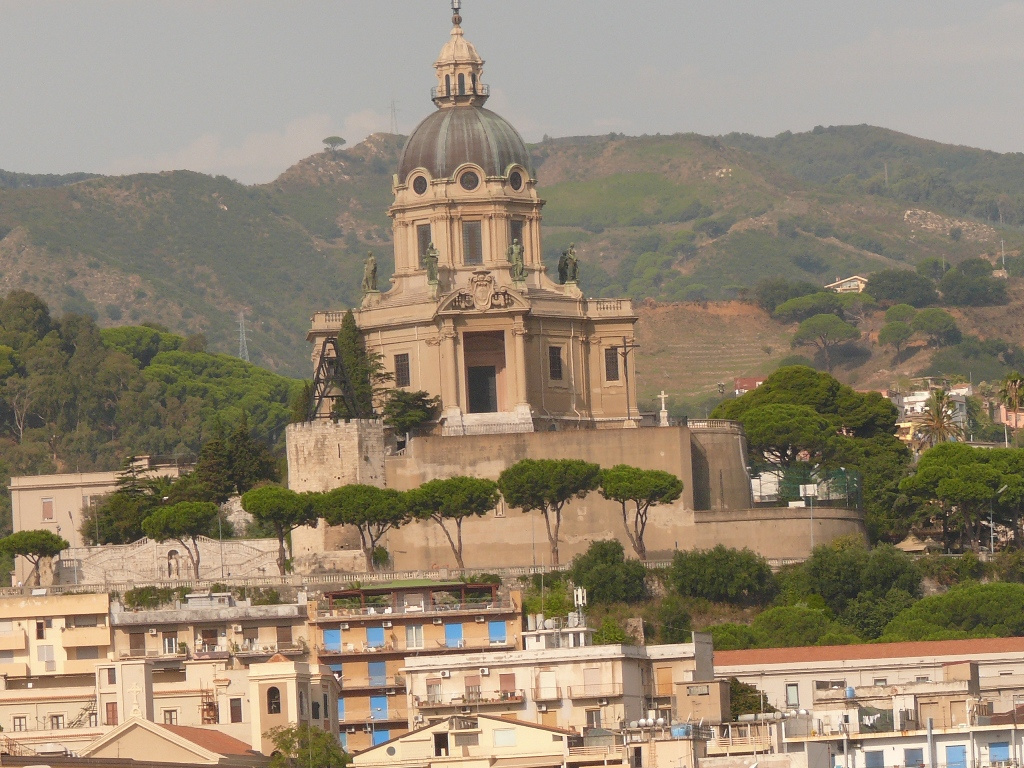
[(472, 80), (447, 85), (462, 84), (273, 701), (302, 704)]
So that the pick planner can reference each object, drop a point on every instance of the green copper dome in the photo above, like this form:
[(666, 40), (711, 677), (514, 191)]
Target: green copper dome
[(464, 134)]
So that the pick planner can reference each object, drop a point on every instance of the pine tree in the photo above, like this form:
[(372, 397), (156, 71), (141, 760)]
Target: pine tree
[(365, 372), (213, 472), (251, 460)]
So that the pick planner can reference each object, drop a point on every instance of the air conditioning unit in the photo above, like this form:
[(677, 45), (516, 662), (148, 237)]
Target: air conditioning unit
[(445, 673), (350, 729), (152, 632), (387, 625), (480, 619), (465, 710), (237, 629), (344, 625), (602, 702), (485, 671), (542, 707), (438, 620), (417, 718), (390, 692)]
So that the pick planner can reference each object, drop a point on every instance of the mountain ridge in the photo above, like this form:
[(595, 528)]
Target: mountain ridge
[(671, 218)]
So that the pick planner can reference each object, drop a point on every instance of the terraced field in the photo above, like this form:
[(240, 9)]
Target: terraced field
[(687, 349)]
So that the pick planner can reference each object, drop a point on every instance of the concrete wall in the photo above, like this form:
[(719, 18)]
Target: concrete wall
[(711, 461)]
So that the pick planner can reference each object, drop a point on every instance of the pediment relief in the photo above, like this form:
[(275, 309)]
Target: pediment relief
[(483, 295)]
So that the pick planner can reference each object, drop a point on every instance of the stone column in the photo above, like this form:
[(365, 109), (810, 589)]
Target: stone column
[(519, 337), (449, 368)]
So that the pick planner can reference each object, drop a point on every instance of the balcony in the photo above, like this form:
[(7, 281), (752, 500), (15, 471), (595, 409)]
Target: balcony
[(76, 637), (207, 651), (393, 715), (14, 669), (373, 613), (605, 691), (143, 653), (547, 694), (12, 640), (474, 700), (442, 646), (255, 648), (612, 754), (351, 684)]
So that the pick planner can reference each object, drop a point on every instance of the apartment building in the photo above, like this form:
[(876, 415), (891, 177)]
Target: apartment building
[(946, 721), (483, 741), (43, 636), (212, 626), (798, 678), (577, 687), (365, 636)]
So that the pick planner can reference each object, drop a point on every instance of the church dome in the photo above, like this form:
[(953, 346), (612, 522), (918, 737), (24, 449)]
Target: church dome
[(463, 134)]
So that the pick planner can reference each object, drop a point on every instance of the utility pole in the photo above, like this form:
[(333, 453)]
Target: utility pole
[(243, 347)]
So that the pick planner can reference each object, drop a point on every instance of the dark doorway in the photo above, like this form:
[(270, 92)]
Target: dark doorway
[(483, 389), (440, 745), (484, 355)]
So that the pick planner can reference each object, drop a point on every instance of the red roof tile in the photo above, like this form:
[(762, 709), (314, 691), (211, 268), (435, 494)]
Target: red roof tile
[(968, 649), (215, 741)]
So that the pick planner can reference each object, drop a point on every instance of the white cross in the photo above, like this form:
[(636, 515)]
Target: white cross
[(135, 690), (662, 396)]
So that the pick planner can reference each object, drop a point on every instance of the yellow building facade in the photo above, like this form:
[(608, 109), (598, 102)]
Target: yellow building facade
[(471, 314)]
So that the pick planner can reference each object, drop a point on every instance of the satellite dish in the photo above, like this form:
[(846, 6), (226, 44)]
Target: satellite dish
[(660, 722), (549, 624), (633, 724)]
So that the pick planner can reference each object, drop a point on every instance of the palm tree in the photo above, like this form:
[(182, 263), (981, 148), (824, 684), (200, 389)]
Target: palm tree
[(1011, 394), (937, 423)]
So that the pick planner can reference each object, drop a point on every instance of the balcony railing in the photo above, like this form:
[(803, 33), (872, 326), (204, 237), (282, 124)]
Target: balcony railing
[(379, 681), (149, 653), (483, 699), (547, 694), (444, 93), (345, 649), (255, 648), (473, 606), (393, 715), (605, 691)]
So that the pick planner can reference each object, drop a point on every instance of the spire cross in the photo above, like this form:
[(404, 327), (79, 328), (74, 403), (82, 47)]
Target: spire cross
[(662, 397), (456, 12)]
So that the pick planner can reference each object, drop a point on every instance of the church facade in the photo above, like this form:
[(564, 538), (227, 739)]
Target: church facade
[(471, 314)]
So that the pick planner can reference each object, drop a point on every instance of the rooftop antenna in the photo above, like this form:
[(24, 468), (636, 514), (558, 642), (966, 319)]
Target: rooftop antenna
[(394, 118), (243, 348)]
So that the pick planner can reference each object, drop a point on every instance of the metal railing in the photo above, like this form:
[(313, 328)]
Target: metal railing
[(547, 694), (481, 699), (447, 93), (594, 691), (393, 646), (383, 612)]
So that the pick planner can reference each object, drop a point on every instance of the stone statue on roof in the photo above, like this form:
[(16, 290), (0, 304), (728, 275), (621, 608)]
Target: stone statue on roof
[(515, 255), (430, 259), (369, 273)]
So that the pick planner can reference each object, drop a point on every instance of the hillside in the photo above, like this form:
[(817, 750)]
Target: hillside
[(677, 218)]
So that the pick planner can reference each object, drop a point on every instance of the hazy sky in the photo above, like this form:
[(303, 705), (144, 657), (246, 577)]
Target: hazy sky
[(245, 88)]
